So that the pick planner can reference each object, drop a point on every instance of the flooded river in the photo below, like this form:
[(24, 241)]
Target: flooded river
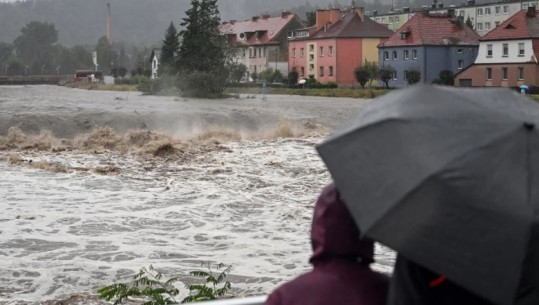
[(97, 184)]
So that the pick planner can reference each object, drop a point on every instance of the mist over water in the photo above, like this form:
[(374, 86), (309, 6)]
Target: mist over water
[(94, 187)]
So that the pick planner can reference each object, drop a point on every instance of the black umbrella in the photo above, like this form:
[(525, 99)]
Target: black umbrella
[(450, 179)]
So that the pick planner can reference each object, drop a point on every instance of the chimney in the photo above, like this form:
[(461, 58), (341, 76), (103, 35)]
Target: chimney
[(531, 12), (255, 18), (451, 13), (233, 22), (285, 14), (109, 23), (361, 13), (265, 17)]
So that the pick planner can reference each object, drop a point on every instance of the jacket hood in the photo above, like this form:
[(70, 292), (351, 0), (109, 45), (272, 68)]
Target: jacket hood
[(334, 233)]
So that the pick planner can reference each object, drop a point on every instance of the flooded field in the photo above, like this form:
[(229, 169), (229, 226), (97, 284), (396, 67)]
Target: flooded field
[(95, 185)]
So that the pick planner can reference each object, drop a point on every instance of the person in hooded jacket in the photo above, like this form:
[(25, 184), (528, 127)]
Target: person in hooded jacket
[(341, 273), (412, 284)]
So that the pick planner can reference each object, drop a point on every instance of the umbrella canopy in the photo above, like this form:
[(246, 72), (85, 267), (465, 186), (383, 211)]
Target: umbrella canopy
[(450, 179), (524, 87)]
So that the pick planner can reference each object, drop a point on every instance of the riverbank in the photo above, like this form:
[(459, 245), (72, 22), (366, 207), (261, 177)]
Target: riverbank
[(253, 91)]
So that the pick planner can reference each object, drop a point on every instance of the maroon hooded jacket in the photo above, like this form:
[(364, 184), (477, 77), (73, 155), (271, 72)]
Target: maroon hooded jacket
[(341, 273)]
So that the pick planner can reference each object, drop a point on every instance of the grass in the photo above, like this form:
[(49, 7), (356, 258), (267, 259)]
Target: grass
[(338, 92), (101, 86)]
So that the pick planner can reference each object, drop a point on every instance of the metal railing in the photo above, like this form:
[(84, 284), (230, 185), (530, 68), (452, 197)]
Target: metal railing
[(258, 300)]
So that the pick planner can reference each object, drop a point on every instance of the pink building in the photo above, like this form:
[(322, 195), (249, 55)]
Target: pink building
[(338, 44)]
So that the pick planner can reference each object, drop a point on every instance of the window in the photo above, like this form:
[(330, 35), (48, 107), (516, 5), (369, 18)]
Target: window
[(396, 18), (487, 25), (461, 13), (330, 70), (460, 64), (496, 23), (259, 52), (302, 71), (394, 75), (311, 67), (302, 52), (386, 55), (394, 55), (504, 73), (506, 9), (479, 26), (520, 73), (487, 11), (294, 52), (405, 75), (330, 51), (321, 71), (489, 50), (479, 12), (311, 47), (489, 73), (390, 19), (250, 52), (406, 54), (505, 50), (244, 53), (311, 57), (321, 51), (498, 10), (521, 49), (414, 54)]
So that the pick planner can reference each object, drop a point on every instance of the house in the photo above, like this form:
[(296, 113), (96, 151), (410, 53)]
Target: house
[(155, 59), (484, 17), (338, 44), (429, 43), (507, 55), (262, 42)]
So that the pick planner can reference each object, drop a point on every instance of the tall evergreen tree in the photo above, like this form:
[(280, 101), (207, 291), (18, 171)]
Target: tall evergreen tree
[(203, 52), (169, 50), (202, 46)]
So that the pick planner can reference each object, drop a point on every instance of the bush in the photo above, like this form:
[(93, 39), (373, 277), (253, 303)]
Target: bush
[(202, 84), (413, 76)]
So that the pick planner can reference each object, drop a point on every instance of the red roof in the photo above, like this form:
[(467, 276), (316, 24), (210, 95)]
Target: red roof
[(259, 30), (354, 26), (521, 25), (431, 29)]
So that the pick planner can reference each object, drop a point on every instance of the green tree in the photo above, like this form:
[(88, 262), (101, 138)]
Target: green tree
[(372, 68), (311, 18), (293, 77), (237, 71), (362, 75), (202, 48), (447, 77), (105, 54), (386, 74), (6, 53), (413, 76), (35, 44), (169, 50)]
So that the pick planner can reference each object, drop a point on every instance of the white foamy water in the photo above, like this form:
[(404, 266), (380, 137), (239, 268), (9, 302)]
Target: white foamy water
[(247, 204)]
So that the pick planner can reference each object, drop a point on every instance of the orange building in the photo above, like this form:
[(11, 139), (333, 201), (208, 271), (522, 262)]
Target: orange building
[(338, 44)]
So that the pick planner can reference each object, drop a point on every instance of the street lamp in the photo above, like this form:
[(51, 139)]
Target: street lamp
[(25, 68), (7, 67), (42, 67)]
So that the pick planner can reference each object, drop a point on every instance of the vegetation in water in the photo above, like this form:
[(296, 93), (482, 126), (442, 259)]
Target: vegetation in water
[(149, 284)]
